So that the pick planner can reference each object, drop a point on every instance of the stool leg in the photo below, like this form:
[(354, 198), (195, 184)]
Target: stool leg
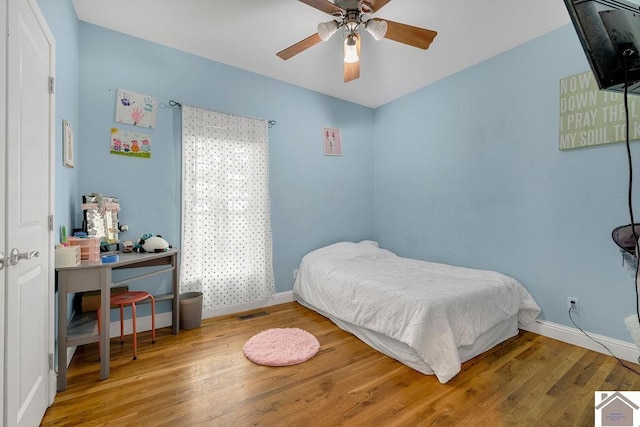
[(121, 323), (135, 341), (153, 319)]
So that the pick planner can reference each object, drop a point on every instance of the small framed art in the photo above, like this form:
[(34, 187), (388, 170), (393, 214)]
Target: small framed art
[(332, 142), (67, 144)]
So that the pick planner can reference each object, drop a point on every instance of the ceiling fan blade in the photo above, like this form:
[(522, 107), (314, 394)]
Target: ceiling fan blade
[(302, 45), (408, 34), (376, 5), (325, 6), (352, 70)]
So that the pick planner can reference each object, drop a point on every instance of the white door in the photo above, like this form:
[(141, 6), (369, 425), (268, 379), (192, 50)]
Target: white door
[(28, 205)]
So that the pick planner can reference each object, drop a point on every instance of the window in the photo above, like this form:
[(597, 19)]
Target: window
[(226, 229)]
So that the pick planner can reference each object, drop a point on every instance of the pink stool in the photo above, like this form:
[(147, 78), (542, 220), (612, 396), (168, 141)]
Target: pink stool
[(131, 298)]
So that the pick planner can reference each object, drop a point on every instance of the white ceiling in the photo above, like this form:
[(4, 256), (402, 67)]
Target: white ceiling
[(248, 33)]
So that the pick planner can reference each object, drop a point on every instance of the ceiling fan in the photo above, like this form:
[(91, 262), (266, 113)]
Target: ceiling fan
[(351, 16)]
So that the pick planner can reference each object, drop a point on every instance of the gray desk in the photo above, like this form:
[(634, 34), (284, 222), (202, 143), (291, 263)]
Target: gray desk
[(97, 277)]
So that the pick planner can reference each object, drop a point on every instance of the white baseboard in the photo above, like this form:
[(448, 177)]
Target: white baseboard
[(621, 349), (164, 320), (279, 298), (143, 323)]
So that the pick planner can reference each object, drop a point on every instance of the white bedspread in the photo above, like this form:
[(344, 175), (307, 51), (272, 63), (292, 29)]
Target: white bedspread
[(433, 308)]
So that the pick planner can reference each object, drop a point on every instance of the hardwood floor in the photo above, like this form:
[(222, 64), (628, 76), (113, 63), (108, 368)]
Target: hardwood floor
[(201, 377)]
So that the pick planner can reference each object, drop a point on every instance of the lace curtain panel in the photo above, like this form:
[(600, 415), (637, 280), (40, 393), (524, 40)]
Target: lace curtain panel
[(226, 229)]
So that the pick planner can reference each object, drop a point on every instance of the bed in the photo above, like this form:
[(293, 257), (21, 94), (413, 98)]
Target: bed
[(432, 317)]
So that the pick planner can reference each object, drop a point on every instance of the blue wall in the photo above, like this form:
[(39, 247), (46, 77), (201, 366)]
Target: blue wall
[(468, 172), (315, 200), (62, 21)]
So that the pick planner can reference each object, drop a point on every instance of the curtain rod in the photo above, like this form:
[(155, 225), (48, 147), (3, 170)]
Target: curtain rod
[(172, 103)]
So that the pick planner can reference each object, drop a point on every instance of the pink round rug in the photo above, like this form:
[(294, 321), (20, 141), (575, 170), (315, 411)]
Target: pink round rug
[(281, 347)]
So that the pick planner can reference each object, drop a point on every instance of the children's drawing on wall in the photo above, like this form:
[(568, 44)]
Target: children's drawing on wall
[(134, 144), (136, 109), (332, 142)]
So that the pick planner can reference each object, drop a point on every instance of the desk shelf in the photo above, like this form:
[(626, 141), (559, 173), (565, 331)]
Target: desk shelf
[(82, 329), (165, 297)]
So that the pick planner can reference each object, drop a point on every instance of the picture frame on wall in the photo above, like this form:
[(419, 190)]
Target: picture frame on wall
[(332, 142), (67, 138)]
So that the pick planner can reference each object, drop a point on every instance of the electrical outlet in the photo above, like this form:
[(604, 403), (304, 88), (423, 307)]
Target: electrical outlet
[(295, 273), (573, 304)]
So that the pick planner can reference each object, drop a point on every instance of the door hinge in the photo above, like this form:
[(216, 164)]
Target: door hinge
[(50, 222), (51, 361), (52, 85)]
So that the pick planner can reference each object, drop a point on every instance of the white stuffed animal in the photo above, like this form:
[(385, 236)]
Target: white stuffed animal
[(150, 243)]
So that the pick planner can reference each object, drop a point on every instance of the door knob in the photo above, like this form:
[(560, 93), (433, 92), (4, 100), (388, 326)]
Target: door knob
[(16, 256)]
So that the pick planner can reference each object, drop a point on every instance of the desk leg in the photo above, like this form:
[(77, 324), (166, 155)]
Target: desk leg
[(62, 330), (105, 313), (176, 294)]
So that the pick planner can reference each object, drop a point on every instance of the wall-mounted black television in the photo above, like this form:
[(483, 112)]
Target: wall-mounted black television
[(609, 29)]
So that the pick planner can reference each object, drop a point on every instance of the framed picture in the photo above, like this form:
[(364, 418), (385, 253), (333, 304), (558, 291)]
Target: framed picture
[(67, 144), (332, 142)]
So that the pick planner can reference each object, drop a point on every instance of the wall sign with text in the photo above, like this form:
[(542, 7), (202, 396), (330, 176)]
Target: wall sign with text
[(590, 116)]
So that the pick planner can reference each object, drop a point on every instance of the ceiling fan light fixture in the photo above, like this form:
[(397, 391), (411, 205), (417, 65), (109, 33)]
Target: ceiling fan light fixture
[(352, 20), (327, 29), (365, 7), (350, 49), (377, 28)]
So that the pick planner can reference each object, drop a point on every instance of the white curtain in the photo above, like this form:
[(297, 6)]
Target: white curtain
[(226, 229)]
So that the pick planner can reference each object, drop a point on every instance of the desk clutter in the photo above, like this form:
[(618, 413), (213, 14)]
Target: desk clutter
[(67, 256), (100, 219), (89, 248), (83, 250), (107, 258)]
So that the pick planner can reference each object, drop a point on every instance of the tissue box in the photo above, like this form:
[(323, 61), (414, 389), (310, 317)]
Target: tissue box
[(67, 256)]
